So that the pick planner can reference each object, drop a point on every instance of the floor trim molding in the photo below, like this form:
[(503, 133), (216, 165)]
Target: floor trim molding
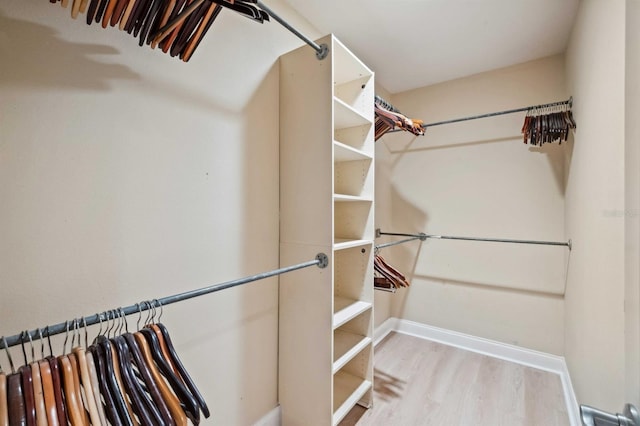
[(540, 360)]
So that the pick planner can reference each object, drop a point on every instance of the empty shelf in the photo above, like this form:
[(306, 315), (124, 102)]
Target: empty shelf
[(347, 391), (344, 152), (343, 197), (345, 346), (344, 243), (345, 116), (344, 309)]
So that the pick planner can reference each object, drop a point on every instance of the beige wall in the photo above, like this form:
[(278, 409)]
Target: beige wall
[(595, 206), (478, 179), (632, 202), (127, 175)]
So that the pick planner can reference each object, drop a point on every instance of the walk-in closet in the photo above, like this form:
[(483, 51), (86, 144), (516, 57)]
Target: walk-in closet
[(286, 212)]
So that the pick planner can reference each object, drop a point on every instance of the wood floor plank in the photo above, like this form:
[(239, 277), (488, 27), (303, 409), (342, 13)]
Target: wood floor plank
[(424, 383)]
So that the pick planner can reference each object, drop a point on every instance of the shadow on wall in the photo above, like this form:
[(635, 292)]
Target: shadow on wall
[(260, 236), (27, 46), (406, 218), (558, 156)]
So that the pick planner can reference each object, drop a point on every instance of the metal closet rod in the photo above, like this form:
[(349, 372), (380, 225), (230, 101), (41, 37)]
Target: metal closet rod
[(493, 114), (423, 237), (322, 50), (321, 260)]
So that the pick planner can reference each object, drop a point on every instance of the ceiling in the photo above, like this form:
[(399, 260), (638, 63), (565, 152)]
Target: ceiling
[(416, 43)]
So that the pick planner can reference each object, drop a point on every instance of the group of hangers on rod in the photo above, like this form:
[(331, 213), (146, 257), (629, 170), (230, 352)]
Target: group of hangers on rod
[(122, 378), (176, 26), (548, 124)]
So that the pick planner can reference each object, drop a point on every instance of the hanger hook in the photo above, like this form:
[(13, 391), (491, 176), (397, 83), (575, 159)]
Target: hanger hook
[(147, 320), (33, 351), (46, 329), (161, 309), (73, 333), (109, 324), (41, 343), (139, 315), (100, 321), (118, 328), (6, 348), (86, 333), (124, 318), (124, 327), (66, 338), (24, 350)]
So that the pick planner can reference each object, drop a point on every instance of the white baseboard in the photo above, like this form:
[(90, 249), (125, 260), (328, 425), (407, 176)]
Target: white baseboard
[(272, 418), (540, 360)]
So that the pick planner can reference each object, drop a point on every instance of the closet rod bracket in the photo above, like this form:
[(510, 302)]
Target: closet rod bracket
[(323, 52), (323, 260)]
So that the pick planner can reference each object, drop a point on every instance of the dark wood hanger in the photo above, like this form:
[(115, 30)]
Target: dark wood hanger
[(57, 389), (27, 392), (187, 400), (156, 10), (165, 340), (15, 400), (105, 359), (177, 413), (167, 36), (205, 24), (187, 29), (111, 412), (143, 408), (146, 375), (121, 388)]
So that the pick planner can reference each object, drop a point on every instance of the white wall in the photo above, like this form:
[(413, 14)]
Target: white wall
[(632, 202), (595, 206), (127, 175), (478, 179)]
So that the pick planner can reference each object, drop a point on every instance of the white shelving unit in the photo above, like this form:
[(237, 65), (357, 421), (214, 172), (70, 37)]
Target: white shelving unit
[(326, 205)]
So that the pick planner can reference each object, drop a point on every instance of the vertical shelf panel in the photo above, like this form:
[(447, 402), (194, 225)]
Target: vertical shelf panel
[(327, 205)]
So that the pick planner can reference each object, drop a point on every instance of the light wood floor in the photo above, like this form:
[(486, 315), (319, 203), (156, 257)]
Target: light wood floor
[(419, 382)]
